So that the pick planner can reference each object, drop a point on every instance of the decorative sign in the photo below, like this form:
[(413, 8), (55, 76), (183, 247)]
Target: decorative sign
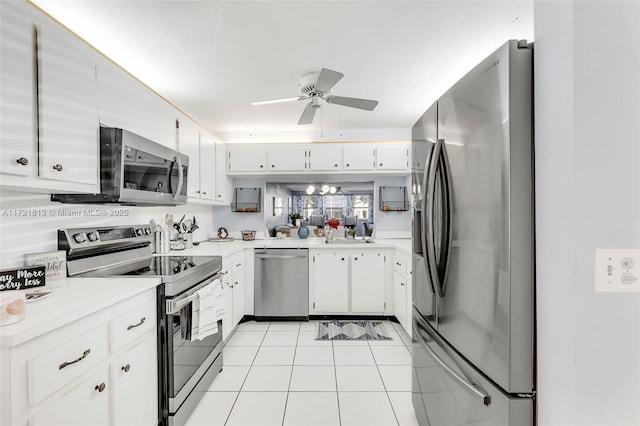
[(55, 263), (22, 279)]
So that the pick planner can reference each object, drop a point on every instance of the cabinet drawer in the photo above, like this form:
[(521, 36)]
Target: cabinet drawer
[(128, 327), (53, 369), (401, 264)]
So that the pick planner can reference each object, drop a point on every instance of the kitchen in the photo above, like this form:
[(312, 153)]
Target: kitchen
[(564, 65)]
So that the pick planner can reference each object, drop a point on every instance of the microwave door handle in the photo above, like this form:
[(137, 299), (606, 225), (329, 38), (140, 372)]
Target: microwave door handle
[(180, 178)]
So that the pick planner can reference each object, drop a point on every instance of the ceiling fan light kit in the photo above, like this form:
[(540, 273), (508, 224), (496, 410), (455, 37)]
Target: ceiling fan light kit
[(316, 86)]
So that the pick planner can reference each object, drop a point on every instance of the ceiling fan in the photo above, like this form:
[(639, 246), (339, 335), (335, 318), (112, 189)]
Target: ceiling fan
[(316, 86)]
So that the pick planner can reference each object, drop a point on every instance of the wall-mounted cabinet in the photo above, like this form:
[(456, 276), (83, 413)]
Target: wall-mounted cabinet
[(393, 198), (303, 158), (246, 200), (48, 125)]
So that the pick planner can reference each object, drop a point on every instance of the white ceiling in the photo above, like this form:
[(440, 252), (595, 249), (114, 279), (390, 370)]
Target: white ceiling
[(213, 58)]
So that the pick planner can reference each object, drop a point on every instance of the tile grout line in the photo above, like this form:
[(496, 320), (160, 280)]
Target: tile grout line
[(293, 362), (247, 375), (386, 392), (335, 375)]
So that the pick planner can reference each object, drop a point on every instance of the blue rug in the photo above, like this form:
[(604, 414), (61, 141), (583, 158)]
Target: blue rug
[(351, 330)]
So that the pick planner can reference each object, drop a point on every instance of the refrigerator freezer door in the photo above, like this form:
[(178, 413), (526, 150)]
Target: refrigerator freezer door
[(487, 310), (448, 391)]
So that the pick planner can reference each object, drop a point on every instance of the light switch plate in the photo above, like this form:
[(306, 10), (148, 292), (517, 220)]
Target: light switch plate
[(617, 270)]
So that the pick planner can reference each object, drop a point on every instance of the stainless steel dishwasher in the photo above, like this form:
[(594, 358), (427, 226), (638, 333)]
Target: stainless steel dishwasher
[(281, 283)]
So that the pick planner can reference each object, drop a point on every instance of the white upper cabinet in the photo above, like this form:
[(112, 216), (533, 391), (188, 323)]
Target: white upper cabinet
[(17, 75), (358, 156), (325, 157), (67, 103), (246, 158), (393, 156), (207, 167), (287, 157), (125, 103), (189, 144), (224, 184)]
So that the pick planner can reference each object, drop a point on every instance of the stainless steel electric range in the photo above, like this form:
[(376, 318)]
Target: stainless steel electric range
[(185, 367)]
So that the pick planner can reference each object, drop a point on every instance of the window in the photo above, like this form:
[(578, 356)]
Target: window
[(334, 206), (361, 206), (310, 205)]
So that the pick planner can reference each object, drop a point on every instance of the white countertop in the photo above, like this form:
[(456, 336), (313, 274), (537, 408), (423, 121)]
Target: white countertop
[(77, 298), (227, 248)]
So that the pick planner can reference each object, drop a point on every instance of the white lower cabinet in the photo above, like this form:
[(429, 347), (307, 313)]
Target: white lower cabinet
[(98, 370), (233, 287), (134, 379), (85, 403), (348, 282), (402, 290)]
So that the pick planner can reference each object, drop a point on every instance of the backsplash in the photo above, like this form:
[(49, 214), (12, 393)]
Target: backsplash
[(29, 222)]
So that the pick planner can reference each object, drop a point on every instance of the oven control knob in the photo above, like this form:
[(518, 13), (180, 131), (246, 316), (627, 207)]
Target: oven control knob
[(92, 236), (147, 231), (139, 232), (80, 237)]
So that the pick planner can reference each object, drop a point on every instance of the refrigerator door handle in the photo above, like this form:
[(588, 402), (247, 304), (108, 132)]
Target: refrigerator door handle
[(448, 206), (471, 387), (431, 261), (423, 233)]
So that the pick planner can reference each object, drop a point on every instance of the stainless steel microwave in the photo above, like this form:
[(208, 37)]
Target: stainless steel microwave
[(136, 171)]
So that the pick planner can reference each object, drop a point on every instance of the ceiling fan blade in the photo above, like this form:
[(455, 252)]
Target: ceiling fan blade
[(365, 104), (327, 79), (277, 101), (308, 114)]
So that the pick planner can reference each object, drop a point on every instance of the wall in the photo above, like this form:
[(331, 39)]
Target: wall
[(391, 224), (236, 222), (29, 222), (587, 94)]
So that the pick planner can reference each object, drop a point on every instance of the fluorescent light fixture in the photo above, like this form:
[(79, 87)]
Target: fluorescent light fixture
[(274, 101)]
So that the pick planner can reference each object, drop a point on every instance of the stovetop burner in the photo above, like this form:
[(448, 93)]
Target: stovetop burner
[(171, 265)]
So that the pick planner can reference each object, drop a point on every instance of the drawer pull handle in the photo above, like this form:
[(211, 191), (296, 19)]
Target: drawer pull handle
[(22, 161), (57, 167), (101, 387), (126, 368), (83, 356), (138, 324)]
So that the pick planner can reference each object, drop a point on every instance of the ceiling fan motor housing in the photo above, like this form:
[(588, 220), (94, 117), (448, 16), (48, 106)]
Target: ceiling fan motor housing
[(307, 84)]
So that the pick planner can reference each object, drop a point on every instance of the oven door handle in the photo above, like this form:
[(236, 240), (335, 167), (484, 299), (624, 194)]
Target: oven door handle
[(175, 305)]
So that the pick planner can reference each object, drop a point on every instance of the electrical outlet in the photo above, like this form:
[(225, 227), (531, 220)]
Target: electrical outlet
[(617, 270)]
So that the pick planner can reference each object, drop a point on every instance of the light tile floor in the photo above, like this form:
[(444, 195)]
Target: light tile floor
[(276, 373)]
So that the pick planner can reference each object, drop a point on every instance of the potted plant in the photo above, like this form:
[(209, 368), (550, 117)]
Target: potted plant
[(295, 218)]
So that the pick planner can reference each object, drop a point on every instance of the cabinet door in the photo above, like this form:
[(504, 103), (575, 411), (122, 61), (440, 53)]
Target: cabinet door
[(134, 380), (360, 156), (227, 290), (238, 289), (17, 119), (86, 403), (67, 102), (246, 158), (224, 184), (207, 167), (400, 298), (325, 157), (287, 158), (125, 103), (189, 144), (331, 282), (393, 156), (367, 282)]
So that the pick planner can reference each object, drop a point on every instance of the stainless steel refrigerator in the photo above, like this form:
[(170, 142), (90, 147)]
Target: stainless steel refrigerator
[(473, 248)]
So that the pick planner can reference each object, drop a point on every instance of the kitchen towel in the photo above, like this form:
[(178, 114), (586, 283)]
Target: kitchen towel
[(207, 308)]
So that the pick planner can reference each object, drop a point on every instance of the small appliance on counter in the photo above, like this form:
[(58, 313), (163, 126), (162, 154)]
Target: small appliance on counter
[(248, 235)]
